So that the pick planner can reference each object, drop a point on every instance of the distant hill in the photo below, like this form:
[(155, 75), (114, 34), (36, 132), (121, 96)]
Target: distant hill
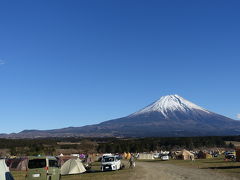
[(169, 116)]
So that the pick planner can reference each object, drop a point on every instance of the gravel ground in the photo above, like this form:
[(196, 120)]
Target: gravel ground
[(158, 171)]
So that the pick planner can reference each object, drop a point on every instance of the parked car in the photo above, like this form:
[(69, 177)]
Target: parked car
[(165, 157), (110, 163), (156, 155), (230, 156), (43, 168)]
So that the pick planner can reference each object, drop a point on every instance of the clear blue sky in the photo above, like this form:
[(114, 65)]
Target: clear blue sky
[(76, 62)]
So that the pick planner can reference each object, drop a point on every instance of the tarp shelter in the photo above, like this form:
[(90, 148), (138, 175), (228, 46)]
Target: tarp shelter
[(4, 171), (72, 166), (145, 156), (185, 155)]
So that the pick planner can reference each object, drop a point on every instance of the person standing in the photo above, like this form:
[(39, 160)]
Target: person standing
[(131, 161)]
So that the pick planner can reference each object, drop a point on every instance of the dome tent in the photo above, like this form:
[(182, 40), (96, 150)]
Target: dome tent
[(72, 166)]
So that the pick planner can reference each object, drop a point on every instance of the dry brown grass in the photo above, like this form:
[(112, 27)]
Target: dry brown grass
[(96, 174), (218, 165)]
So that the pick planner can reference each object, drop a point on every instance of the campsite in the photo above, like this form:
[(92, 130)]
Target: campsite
[(173, 169), (168, 158)]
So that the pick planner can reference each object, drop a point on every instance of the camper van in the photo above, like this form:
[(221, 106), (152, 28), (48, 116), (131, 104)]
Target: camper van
[(43, 168), (110, 163)]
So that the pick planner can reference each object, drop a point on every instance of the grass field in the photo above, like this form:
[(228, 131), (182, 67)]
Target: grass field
[(18, 175), (217, 165), (96, 174)]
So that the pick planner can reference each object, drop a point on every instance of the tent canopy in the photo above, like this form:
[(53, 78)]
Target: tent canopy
[(72, 166)]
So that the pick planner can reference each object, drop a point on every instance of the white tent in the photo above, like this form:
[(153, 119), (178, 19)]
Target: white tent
[(4, 171), (145, 156), (185, 155), (72, 166)]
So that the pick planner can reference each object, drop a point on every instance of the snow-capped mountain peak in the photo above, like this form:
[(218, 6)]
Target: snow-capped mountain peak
[(170, 104), (169, 116)]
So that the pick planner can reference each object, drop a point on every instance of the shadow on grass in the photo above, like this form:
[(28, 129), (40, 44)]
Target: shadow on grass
[(149, 160), (106, 171), (94, 171), (89, 172), (218, 162), (223, 167)]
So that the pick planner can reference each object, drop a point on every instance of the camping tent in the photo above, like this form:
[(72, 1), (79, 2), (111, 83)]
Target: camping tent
[(145, 156), (17, 164), (125, 155), (72, 166), (22, 165), (238, 153), (94, 157), (185, 155), (203, 155), (63, 159), (4, 171), (128, 156)]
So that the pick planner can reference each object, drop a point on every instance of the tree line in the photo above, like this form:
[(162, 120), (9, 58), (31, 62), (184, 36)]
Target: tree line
[(48, 146), (152, 144)]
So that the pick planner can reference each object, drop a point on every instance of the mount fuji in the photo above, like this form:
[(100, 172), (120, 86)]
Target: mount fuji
[(171, 106), (169, 116)]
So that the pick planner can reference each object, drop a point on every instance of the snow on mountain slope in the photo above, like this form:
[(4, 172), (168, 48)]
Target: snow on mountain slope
[(168, 105)]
